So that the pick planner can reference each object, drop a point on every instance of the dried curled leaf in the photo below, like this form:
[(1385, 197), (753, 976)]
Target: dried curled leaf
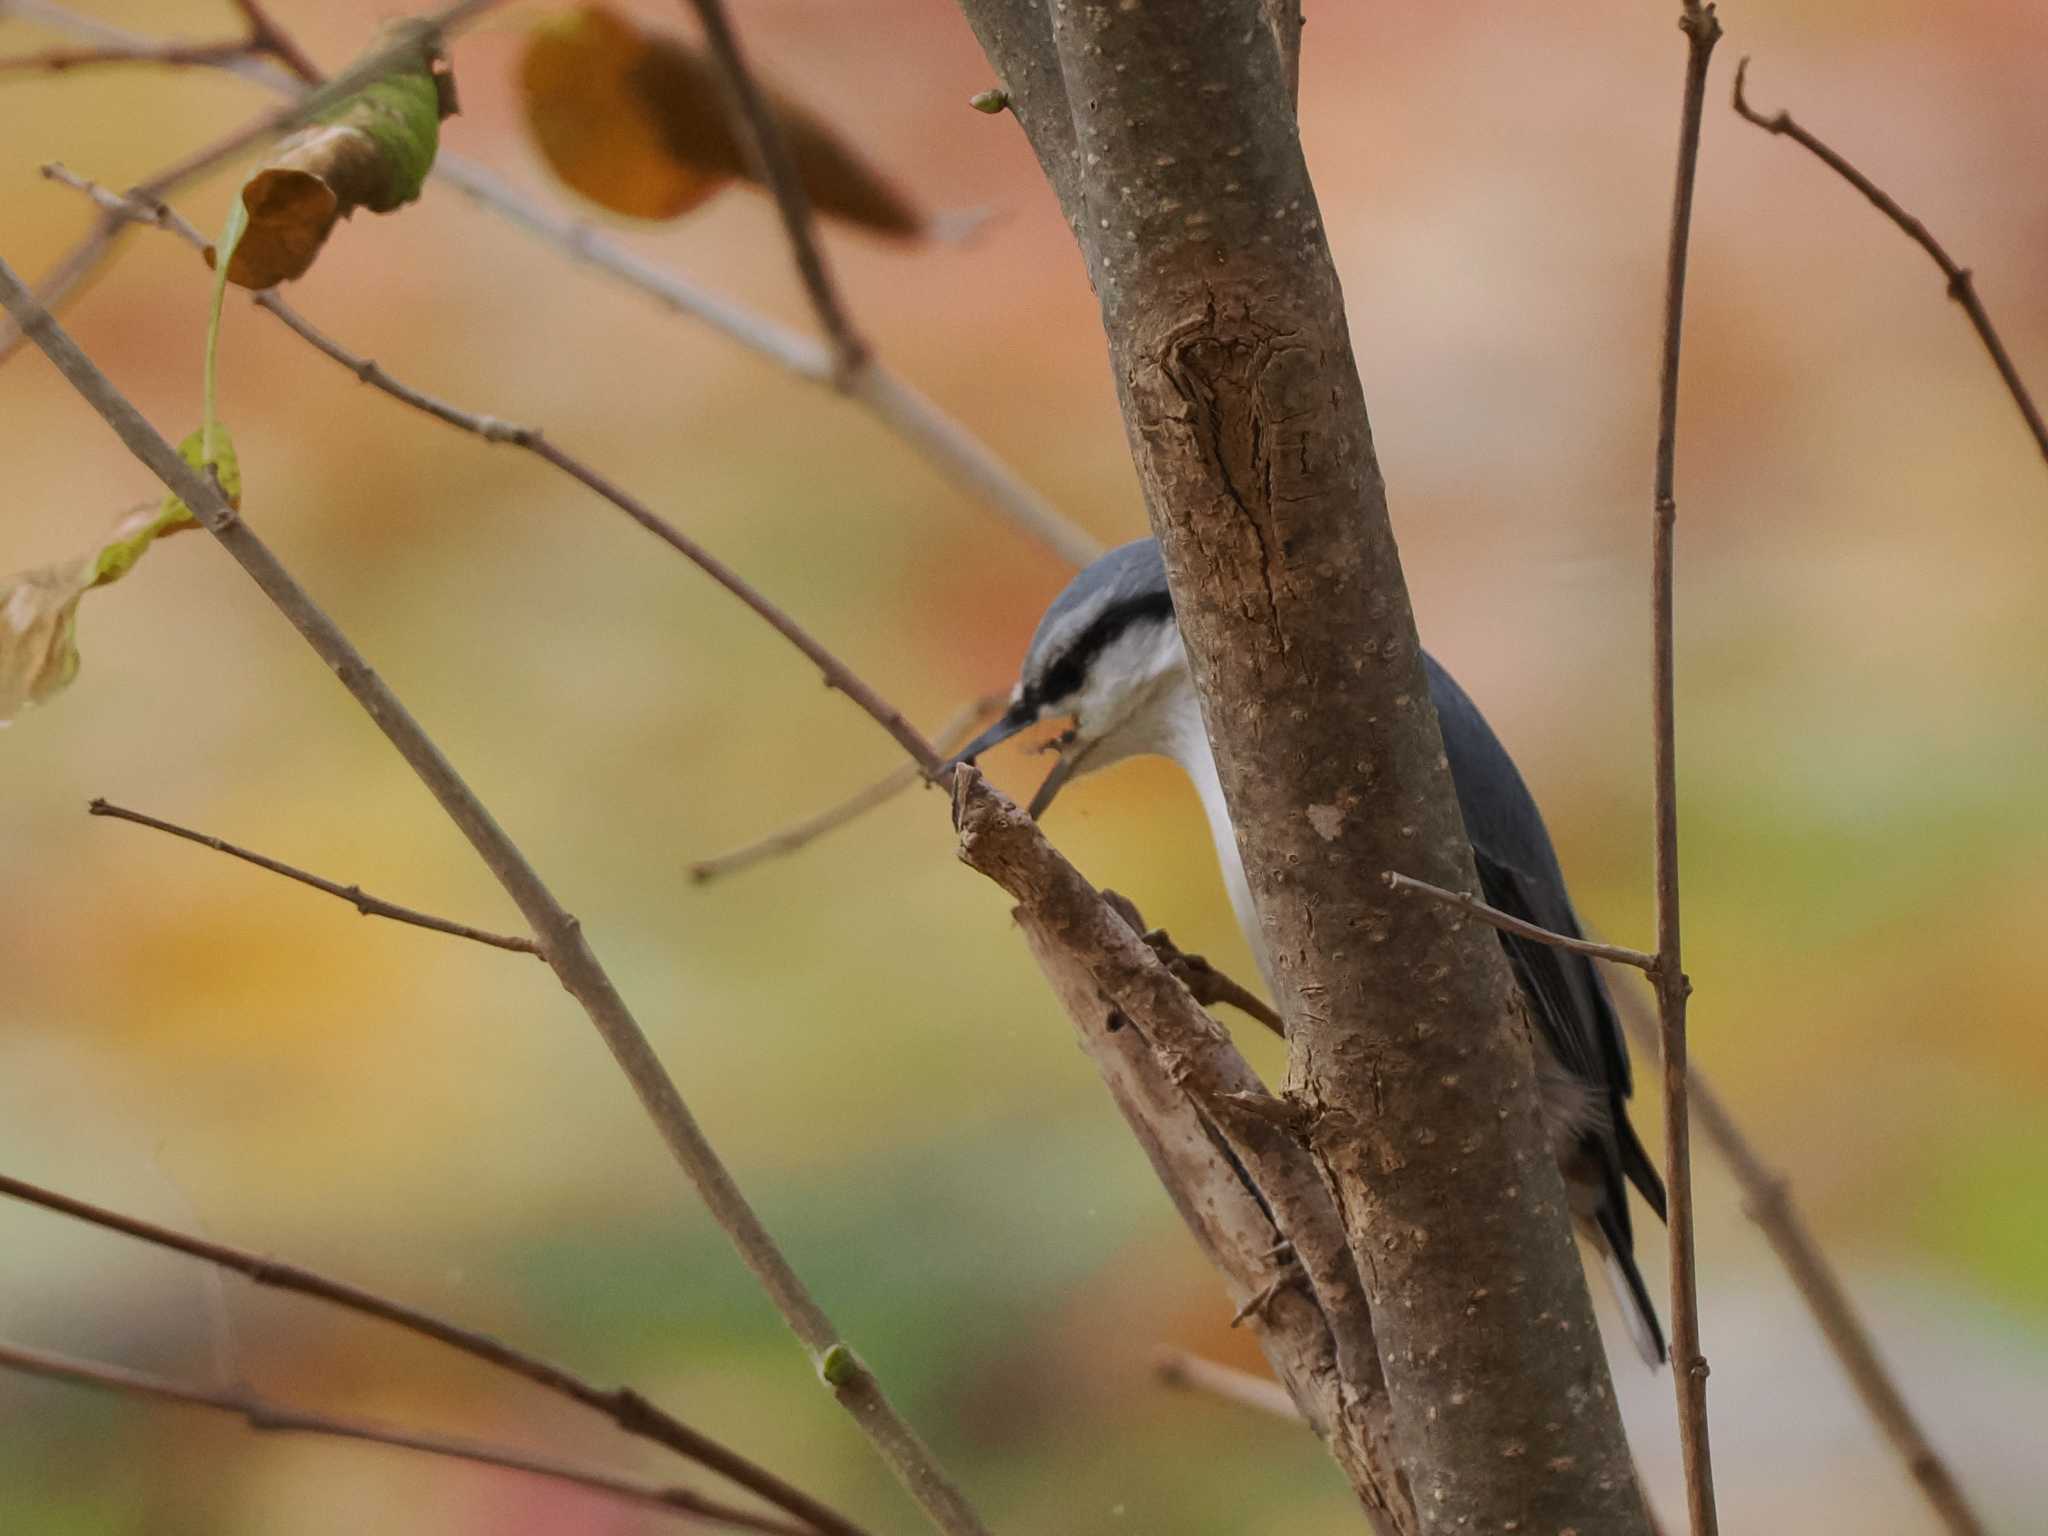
[(370, 150), (39, 632), (39, 608), (637, 123)]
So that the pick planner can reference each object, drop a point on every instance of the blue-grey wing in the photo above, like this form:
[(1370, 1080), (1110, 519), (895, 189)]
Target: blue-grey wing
[(1519, 873)]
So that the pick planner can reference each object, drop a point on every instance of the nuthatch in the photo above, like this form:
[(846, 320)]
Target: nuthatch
[(1108, 654)]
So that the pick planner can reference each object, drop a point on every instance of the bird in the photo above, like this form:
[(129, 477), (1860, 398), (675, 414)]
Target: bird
[(1108, 656)]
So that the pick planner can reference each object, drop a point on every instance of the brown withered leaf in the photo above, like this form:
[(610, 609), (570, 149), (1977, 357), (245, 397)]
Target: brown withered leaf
[(637, 122)]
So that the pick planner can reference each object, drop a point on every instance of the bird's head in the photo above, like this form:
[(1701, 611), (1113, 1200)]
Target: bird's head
[(1108, 655)]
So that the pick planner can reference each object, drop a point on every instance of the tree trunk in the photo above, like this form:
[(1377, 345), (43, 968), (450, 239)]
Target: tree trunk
[(1166, 128)]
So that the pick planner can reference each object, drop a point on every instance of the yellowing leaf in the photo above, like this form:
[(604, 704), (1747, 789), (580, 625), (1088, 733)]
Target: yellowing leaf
[(370, 150), (592, 127), (39, 608), (637, 122), (227, 469)]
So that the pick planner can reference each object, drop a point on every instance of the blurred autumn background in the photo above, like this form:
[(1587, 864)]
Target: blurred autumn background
[(1863, 732)]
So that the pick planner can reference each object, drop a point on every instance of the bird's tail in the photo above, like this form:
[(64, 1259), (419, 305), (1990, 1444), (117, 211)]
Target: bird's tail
[(1631, 1296), (1636, 1162)]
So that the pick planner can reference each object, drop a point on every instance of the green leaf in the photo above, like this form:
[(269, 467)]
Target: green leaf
[(401, 116)]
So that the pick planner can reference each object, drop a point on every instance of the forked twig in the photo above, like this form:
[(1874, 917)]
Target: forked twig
[(276, 1418), (1962, 286), (953, 734), (266, 36), (1689, 1366), (354, 895)]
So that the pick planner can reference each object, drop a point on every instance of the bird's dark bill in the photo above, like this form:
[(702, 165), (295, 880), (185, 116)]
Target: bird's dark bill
[(1014, 720)]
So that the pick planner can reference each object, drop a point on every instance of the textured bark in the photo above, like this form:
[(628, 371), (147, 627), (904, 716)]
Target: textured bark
[(1240, 1178), (1166, 128)]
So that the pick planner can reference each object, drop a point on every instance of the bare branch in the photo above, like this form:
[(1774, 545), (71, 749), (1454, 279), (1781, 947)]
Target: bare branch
[(276, 1418), (948, 445), (1688, 1365), (1962, 286), (1191, 1373), (172, 55), (1186, 1093), (937, 437), (622, 1405), (1767, 1201), (494, 429), (560, 934), (1205, 983), (762, 136), (1465, 901), (354, 895), (949, 737)]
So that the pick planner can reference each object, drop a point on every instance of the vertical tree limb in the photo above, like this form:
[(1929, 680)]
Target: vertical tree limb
[(1177, 162), (1688, 1365)]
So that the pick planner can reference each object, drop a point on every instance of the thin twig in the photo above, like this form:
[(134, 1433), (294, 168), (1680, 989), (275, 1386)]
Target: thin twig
[(172, 55), (1767, 1201), (276, 1418), (1464, 901), (1689, 1366), (837, 674), (939, 438), (948, 738), (1191, 1373), (354, 895), (1962, 286), (560, 934), (622, 1405), (763, 138)]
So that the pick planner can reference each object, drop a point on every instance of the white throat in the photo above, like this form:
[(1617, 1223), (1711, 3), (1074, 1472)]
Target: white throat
[(1169, 724)]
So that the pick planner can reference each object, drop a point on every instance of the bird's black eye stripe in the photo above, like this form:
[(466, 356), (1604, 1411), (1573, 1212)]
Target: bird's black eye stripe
[(1066, 675)]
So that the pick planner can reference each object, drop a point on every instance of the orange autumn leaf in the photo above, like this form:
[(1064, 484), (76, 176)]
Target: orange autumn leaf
[(637, 123)]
